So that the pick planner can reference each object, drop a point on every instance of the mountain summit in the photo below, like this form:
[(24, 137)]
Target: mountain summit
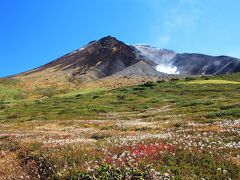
[(109, 57)]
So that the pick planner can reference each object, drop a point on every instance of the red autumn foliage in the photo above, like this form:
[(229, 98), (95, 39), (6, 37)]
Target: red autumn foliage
[(142, 150), (138, 152)]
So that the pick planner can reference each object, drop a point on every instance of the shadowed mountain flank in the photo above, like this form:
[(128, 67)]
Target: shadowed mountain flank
[(96, 60), (200, 64)]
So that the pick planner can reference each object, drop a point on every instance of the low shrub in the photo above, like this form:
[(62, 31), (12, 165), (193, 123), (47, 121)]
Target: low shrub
[(148, 84), (46, 92), (189, 78), (205, 77), (139, 88), (174, 79), (161, 81)]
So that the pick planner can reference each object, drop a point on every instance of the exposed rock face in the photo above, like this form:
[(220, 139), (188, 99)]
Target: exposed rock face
[(141, 68), (111, 57), (195, 64), (170, 62), (160, 58)]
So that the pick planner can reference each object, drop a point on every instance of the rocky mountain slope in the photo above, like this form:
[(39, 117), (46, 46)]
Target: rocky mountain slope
[(111, 58)]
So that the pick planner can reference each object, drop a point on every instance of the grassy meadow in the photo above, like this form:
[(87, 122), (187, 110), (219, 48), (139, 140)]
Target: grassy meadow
[(178, 129)]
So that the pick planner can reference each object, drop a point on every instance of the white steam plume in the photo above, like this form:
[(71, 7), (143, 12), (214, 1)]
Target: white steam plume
[(162, 57), (167, 69)]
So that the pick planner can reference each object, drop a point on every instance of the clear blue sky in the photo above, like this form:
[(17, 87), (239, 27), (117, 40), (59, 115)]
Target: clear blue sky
[(34, 32)]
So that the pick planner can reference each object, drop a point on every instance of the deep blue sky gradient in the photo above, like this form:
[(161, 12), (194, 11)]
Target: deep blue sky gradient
[(34, 32)]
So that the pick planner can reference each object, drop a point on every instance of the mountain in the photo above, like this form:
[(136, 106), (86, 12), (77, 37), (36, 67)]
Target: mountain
[(170, 62), (109, 58)]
